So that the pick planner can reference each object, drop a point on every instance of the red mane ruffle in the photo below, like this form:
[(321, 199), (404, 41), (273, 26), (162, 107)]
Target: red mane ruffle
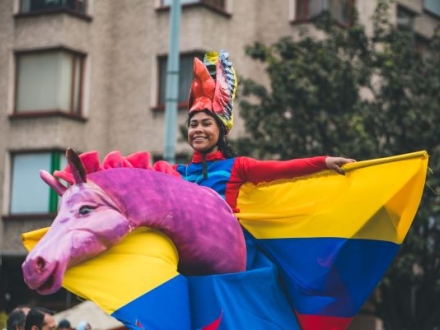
[(114, 159)]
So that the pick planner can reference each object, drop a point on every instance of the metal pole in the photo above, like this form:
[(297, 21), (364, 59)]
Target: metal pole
[(171, 93)]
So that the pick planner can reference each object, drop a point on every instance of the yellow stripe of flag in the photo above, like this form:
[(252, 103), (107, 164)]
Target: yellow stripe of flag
[(144, 260), (376, 199)]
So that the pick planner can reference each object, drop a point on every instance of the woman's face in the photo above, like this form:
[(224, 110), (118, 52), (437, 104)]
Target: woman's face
[(203, 132)]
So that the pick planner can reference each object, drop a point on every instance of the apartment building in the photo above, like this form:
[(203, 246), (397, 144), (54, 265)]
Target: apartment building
[(90, 74)]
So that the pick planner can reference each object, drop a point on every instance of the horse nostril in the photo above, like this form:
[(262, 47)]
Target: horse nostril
[(40, 263)]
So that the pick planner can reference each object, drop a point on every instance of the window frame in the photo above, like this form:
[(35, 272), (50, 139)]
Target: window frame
[(180, 105), (56, 156), (78, 58)]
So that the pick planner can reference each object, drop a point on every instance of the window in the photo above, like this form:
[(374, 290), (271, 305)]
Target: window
[(433, 6), (220, 4), (34, 6), (185, 78), (341, 10), (49, 81), (29, 194), (405, 19)]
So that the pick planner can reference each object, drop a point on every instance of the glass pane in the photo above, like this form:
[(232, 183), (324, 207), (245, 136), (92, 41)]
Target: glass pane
[(78, 6), (27, 6), (77, 79), (45, 82), (338, 10), (29, 194), (433, 6), (405, 19), (37, 5), (168, 2), (315, 7), (65, 79), (185, 77), (162, 79), (302, 9), (38, 85)]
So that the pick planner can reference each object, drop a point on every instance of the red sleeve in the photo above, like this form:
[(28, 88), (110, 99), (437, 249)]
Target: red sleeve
[(249, 169), (257, 171)]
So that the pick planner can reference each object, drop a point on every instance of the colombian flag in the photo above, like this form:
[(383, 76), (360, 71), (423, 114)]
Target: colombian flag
[(329, 237), (334, 236)]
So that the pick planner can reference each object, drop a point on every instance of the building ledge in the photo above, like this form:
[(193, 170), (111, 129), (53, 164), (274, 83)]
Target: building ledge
[(39, 114)]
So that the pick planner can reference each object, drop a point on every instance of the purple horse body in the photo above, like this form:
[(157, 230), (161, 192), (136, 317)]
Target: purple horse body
[(97, 214)]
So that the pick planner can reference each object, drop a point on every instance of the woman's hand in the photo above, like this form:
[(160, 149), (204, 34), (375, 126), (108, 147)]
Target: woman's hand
[(335, 163)]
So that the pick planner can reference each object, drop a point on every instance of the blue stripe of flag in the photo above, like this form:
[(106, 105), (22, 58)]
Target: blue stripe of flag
[(330, 276), (163, 308)]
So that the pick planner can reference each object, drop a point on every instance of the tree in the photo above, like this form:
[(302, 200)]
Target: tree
[(362, 96)]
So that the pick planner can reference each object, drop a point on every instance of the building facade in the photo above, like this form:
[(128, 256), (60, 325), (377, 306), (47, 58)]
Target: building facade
[(90, 74)]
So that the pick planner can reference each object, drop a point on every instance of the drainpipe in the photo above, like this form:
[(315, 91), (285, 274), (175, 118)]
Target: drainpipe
[(171, 92)]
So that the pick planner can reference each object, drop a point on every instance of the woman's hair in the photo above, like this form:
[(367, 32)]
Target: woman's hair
[(222, 143)]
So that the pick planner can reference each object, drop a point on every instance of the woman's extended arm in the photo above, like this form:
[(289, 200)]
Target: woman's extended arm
[(257, 171)]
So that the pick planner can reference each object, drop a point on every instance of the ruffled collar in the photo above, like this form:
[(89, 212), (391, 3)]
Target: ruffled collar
[(198, 157)]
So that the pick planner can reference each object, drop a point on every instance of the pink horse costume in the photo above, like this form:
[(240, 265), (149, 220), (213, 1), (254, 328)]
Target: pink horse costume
[(157, 252)]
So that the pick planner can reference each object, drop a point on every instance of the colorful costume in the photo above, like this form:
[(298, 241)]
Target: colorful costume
[(226, 176), (280, 226), (213, 89)]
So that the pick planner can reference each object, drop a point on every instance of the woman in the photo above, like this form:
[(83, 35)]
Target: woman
[(257, 300), (210, 119)]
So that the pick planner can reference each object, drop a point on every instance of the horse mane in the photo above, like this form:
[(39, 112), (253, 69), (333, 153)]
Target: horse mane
[(114, 159)]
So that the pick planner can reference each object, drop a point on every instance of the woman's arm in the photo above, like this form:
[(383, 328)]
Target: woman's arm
[(257, 171)]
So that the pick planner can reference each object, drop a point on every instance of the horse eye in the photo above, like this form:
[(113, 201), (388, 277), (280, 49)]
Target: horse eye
[(83, 210)]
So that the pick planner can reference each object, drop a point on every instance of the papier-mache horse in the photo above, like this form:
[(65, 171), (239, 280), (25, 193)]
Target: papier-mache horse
[(101, 207)]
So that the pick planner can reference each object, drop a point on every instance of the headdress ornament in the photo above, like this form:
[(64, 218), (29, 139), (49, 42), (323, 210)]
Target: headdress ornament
[(214, 86)]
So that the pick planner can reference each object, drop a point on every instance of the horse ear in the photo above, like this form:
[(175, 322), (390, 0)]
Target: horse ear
[(76, 165), (53, 183)]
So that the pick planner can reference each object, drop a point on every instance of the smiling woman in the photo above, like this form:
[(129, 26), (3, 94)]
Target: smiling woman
[(210, 118), (215, 165), (203, 132)]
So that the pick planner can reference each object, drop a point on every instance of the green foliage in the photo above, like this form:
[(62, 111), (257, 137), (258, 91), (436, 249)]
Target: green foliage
[(361, 96)]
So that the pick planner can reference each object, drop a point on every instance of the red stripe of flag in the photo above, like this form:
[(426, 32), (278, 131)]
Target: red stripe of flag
[(214, 325), (323, 322)]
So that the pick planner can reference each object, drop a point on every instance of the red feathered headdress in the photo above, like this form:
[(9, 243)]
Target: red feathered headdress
[(214, 87)]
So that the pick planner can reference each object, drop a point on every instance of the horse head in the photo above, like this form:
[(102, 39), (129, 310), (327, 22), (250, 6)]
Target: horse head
[(102, 205)]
